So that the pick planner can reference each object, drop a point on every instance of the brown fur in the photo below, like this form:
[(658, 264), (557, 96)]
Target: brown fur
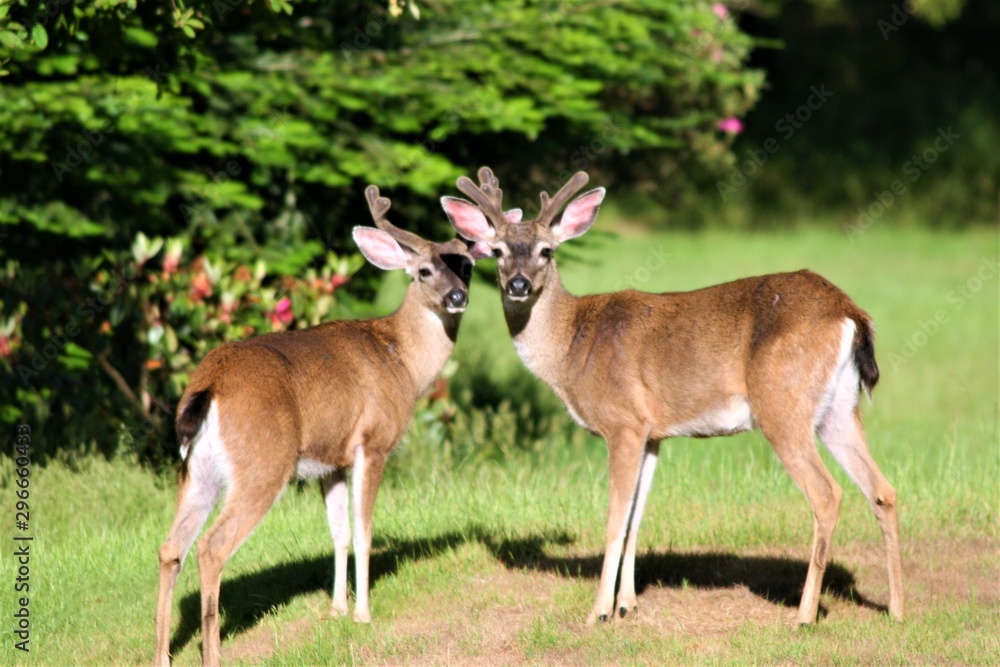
[(319, 395), (636, 368)]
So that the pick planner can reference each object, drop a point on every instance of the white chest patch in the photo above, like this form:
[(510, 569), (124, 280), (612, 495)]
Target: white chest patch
[(524, 352), (309, 469), (731, 416)]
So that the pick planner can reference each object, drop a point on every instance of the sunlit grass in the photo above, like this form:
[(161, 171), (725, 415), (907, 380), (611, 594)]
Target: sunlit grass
[(493, 560)]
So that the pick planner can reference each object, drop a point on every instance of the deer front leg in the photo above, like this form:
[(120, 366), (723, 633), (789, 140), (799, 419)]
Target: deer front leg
[(337, 515), (627, 600), (625, 453), (367, 476)]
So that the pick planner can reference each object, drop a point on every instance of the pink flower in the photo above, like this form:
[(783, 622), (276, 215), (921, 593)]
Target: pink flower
[(336, 280), (201, 287), (720, 10), (4, 346), (283, 312), (171, 262), (732, 125)]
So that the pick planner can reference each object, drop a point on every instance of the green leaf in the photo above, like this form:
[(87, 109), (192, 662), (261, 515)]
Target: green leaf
[(39, 36)]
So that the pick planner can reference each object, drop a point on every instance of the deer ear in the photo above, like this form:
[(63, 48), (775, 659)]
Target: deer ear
[(513, 215), (480, 250), (380, 249), (579, 215), (467, 219)]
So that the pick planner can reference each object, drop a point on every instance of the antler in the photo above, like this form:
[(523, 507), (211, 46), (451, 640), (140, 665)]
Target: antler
[(488, 195), (551, 208), (379, 206)]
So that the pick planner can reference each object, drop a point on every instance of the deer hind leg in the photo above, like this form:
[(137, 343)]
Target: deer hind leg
[(797, 451), (625, 455), (844, 436), (627, 600), (247, 501), (196, 497), (365, 480), (338, 516)]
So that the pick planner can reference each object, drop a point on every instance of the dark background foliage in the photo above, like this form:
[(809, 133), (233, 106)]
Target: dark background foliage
[(177, 174)]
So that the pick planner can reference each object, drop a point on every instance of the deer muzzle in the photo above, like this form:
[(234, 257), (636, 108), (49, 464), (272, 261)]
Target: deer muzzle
[(456, 300), (518, 287)]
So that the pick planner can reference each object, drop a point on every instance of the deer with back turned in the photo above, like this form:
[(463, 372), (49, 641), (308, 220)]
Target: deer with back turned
[(787, 353), (311, 403)]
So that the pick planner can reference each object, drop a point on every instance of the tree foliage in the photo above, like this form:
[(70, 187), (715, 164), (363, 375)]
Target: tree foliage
[(241, 133)]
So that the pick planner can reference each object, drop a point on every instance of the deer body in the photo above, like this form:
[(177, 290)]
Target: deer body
[(313, 403), (785, 353), (720, 330)]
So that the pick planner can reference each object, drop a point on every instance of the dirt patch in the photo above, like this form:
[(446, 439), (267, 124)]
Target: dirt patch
[(699, 596)]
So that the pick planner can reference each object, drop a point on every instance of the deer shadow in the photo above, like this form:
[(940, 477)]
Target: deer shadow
[(778, 580), (247, 598)]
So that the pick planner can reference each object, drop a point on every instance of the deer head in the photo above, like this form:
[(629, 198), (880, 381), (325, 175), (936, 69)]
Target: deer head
[(440, 271), (524, 250)]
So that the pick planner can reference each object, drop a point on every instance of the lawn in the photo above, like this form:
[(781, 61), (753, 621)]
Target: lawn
[(494, 558)]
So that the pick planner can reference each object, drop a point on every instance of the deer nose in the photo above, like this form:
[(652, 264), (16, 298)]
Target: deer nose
[(518, 286), (456, 299)]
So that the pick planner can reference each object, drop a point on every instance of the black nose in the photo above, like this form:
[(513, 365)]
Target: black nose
[(456, 299), (518, 286)]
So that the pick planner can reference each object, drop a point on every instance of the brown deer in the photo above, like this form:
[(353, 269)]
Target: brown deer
[(787, 353), (305, 404)]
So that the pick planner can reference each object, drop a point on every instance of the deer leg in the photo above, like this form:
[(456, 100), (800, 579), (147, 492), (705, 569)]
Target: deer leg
[(626, 593), (798, 454), (243, 509), (365, 480), (337, 515), (844, 437), (625, 454), (195, 499)]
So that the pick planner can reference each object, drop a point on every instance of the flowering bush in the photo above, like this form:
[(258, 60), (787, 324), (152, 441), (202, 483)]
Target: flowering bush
[(146, 320)]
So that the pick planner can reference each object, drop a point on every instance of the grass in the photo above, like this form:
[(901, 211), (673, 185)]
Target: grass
[(494, 558)]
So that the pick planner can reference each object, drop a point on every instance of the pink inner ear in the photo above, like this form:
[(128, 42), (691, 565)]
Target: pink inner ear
[(467, 219), (380, 249), (513, 215), (579, 215), (480, 250)]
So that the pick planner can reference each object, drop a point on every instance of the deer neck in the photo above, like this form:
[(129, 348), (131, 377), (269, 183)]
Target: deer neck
[(540, 328), (426, 338)]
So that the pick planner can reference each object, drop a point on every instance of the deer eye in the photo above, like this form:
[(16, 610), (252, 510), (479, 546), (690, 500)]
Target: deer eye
[(497, 252), (546, 252), (425, 272)]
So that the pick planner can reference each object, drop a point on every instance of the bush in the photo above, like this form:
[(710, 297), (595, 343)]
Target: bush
[(245, 132)]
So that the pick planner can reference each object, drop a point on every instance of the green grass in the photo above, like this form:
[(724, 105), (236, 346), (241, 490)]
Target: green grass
[(494, 558)]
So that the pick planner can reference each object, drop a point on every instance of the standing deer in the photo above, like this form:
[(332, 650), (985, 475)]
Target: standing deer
[(309, 404), (787, 353)]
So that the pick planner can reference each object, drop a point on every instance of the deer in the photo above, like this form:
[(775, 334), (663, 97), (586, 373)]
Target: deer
[(304, 404), (787, 353)]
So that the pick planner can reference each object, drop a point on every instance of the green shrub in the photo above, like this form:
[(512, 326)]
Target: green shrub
[(248, 130)]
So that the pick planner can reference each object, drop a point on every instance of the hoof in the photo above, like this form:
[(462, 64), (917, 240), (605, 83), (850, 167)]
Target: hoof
[(622, 611), (603, 618)]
